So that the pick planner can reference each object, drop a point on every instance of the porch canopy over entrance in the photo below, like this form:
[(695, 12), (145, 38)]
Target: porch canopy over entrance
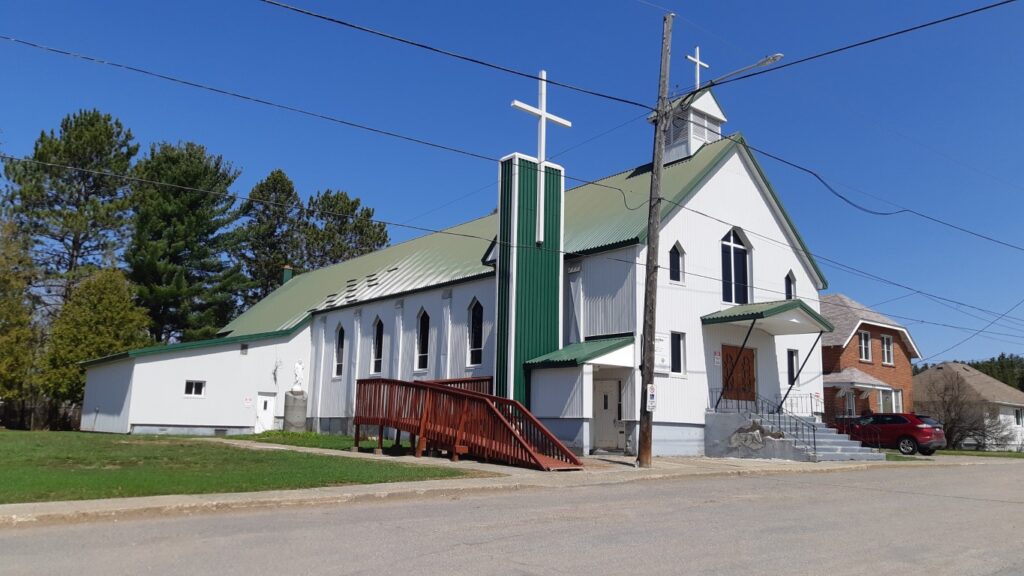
[(854, 378), (779, 318), (611, 351)]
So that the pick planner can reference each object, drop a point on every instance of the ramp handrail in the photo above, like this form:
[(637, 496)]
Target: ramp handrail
[(459, 421), (481, 384)]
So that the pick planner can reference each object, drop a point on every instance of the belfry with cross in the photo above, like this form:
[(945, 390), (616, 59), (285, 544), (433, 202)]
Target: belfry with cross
[(529, 249)]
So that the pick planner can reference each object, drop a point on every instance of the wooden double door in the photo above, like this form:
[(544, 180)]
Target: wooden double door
[(743, 384)]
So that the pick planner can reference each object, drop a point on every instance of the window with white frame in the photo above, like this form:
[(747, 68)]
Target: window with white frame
[(790, 286), (887, 350), (864, 346), (476, 333), (735, 271), (678, 353), (1018, 416), (423, 341), (339, 352), (792, 365), (675, 264), (377, 360), (195, 388)]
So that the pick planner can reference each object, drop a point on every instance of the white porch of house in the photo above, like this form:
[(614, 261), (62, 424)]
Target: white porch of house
[(853, 388), (583, 393), (765, 356)]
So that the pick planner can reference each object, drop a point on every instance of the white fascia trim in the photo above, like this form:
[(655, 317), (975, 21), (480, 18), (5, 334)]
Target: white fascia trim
[(901, 330)]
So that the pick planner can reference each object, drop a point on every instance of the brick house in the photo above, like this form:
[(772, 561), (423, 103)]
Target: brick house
[(866, 361)]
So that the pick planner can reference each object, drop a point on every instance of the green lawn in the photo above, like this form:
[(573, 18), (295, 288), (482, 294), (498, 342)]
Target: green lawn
[(314, 440), (897, 457), (44, 466), (982, 453)]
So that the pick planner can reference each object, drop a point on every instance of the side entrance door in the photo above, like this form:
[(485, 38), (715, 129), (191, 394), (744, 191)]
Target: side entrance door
[(743, 384), (265, 412), (609, 433)]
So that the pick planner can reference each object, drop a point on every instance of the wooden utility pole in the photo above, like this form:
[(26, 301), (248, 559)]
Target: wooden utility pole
[(651, 277)]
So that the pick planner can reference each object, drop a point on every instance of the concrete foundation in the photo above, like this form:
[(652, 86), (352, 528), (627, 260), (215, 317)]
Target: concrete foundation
[(737, 436), (191, 430)]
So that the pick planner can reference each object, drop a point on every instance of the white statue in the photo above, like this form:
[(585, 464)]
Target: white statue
[(298, 377)]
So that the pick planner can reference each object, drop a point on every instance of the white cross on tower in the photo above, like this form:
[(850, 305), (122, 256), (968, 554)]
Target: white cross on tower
[(697, 65), (543, 116)]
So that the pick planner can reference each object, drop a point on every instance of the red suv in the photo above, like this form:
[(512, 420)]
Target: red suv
[(908, 433)]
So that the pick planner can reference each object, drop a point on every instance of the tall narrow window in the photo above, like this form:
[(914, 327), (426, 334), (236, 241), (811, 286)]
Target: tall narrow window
[(678, 353), (864, 346), (1018, 416), (476, 333), (339, 352), (887, 350), (792, 365), (378, 347), (675, 264), (734, 269), (423, 341), (790, 286)]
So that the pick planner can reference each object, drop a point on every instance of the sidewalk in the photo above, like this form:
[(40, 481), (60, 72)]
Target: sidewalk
[(603, 470)]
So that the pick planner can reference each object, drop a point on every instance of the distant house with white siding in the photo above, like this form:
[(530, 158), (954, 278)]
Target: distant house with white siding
[(550, 305), (1001, 401)]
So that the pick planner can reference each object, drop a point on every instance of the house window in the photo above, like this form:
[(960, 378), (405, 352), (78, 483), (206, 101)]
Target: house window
[(675, 264), (734, 269), (339, 352), (678, 353), (195, 388), (243, 349), (423, 341), (887, 350), (864, 346), (476, 333), (1018, 416), (790, 286), (378, 347), (792, 365)]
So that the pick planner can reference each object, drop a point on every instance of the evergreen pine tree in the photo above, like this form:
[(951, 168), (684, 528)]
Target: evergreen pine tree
[(270, 237)]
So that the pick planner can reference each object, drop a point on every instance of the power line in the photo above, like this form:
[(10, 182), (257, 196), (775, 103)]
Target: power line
[(486, 239), (862, 43), (451, 54), (977, 332)]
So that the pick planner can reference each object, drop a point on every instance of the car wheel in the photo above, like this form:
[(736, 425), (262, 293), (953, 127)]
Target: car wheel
[(907, 446), (926, 451)]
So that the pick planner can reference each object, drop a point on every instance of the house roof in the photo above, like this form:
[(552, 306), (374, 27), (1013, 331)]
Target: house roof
[(795, 316), (985, 386), (855, 377), (598, 216), (847, 315), (580, 352)]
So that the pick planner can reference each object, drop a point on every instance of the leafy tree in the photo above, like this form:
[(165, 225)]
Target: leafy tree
[(100, 318), (73, 217), (270, 238), (17, 332), (337, 228), (178, 254), (964, 415)]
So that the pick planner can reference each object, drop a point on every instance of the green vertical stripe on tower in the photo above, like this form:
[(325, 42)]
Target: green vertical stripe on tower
[(506, 196)]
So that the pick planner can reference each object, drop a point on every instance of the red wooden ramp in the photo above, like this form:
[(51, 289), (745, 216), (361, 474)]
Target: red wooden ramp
[(457, 419)]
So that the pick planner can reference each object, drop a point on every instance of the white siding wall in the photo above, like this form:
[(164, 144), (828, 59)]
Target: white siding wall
[(730, 194), (108, 392), (609, 292), (448, 353), (158, 384), (1006, 415), (562, 392)]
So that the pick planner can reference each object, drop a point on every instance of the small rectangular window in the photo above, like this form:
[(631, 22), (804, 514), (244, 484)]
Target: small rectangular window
[(1018, 415), (194, 387), (864, 346), (678, 353), (244, 349), (792, 365), (887, 350)]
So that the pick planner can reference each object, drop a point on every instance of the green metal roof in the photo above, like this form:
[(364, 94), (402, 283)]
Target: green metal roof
[(580, 352), (162, 348), (762, 310), (598, 216)]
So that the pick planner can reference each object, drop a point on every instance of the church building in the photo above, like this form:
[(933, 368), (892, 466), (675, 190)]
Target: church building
[(545, 297)]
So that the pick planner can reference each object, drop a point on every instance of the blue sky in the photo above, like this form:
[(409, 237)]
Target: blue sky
[(928, 120)]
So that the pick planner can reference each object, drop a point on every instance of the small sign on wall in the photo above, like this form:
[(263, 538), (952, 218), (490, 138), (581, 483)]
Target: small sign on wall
[(247, 402), (652, 398), (662, 360), (718, 358)]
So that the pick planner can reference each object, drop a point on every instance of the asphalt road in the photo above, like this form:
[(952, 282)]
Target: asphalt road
[(957, 520)]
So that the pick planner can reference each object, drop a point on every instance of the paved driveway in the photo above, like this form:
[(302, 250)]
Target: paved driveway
[(931, 520)]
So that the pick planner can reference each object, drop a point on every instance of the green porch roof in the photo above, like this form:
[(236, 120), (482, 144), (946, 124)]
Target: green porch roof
[(580, 352), (765, 310)]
